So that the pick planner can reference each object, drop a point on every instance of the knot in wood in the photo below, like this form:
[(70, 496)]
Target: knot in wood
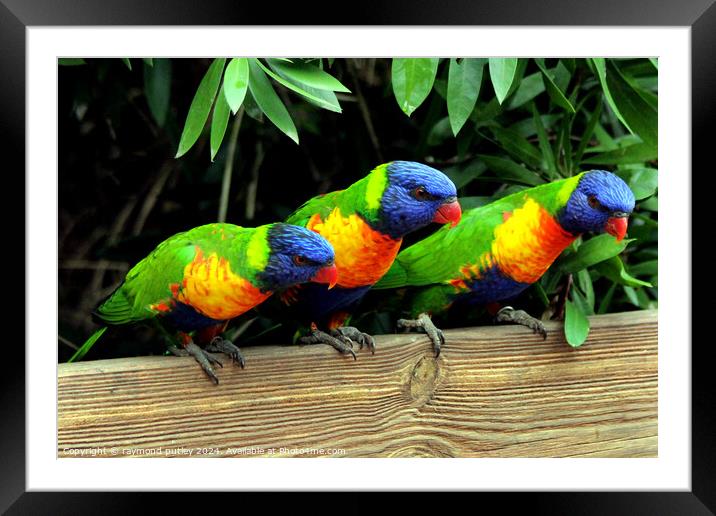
[(423, 379)]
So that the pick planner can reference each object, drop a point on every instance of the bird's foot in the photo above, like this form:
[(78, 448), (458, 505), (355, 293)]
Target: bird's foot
[(320, 337), (205, 360), (423, 322), (178, 352), (221, 345), (509, 314), (350, 334)]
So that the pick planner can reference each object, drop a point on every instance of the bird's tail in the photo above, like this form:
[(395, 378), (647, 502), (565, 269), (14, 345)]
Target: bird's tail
[(87, 345)]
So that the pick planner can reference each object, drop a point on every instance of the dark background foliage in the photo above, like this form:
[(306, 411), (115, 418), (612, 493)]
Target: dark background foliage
[(122, 191)]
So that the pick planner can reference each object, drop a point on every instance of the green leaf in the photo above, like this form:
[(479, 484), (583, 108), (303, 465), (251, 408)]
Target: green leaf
[(440, 86), (614, 270), (564, 144), (591, 252), (464, 81), (637, 153), (462, 175), (509, 170), (157, 88), (412, 81), (503, 71), (127, 62), (554, 92), (641, 116), (325, 99), (600, 66), (87, 345), (544, 145), (637, 115), (551, 281), (588, 132), (584, 282), (620, 142), (562, 76), (474, 201), (236, 82), (219, 121), (529, 88), (647, 268), (539, 290), (252, 109), (604, 138), (637, 297), (651, 204), (71, 61), (439, 132), (655, 62), (322, 99), (526, 128), (576, 325), (311, 76), (517, 146), (269, 102), (581, 302), (643, 182), (200, 106), (148, 60), (607, 299)]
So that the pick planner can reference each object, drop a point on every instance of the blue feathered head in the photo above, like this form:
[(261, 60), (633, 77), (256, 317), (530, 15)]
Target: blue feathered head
[(602, 201), (415, 195), (297, 255)]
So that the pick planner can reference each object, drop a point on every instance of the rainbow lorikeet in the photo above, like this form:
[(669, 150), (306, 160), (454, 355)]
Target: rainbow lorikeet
[(498, 250), (366, 224), (194, 282)]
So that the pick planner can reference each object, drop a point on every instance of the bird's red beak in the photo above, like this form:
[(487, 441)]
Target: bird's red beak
[(617, 226), (327, 275), (448, 212)]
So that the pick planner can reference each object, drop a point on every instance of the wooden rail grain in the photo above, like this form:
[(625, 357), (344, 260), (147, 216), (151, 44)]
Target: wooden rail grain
[(494, 392)]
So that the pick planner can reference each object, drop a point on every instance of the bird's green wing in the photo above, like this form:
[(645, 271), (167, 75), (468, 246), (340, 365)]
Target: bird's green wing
[(439, 257), (322, 205), (150, 282)]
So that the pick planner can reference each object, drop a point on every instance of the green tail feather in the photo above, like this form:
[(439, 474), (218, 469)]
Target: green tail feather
[(116, 309), (87, 345)]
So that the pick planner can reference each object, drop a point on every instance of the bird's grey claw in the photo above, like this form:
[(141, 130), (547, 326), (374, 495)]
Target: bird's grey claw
[(509, 314), (424, 323), (349, 335), (320, 337), (205, 360), (222, 345)]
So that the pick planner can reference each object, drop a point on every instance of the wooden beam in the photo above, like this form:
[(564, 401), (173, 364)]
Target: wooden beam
[(494, 392)]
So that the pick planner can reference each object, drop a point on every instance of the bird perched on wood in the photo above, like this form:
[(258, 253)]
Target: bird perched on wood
[(366, 224), (194, 282), (500, 249)]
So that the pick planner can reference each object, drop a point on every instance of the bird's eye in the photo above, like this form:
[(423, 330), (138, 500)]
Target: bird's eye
[(300, 260), (421, 194), (594, 203)]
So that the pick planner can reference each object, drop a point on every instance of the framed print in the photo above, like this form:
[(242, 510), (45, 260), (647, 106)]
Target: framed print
[(142, 125)]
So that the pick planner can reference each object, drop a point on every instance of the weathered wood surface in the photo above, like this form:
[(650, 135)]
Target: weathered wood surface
[(494, 392)]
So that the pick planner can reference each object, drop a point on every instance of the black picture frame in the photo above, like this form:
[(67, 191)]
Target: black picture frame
[(17, 15)]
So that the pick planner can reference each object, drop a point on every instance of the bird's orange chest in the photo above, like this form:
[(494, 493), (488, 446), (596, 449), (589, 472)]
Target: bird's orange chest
[(363, 255), (527, 242), (212, 288)]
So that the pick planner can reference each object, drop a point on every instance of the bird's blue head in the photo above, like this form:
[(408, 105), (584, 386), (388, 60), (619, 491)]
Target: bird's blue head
[(297, 255), (600, 202), (415, 195)]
